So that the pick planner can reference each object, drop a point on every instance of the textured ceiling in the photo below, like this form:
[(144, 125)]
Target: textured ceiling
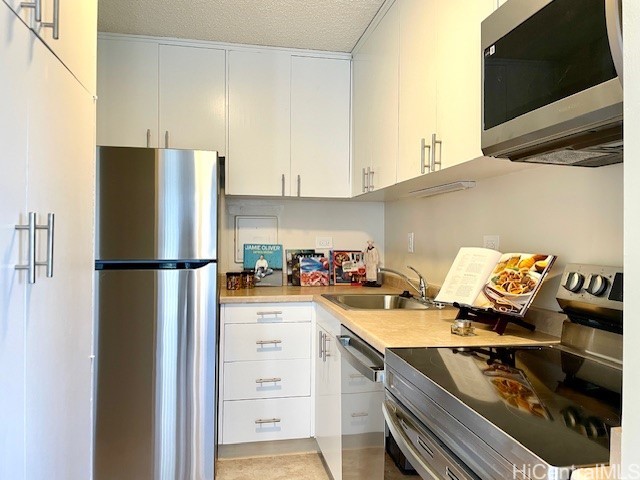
[(333, 25)]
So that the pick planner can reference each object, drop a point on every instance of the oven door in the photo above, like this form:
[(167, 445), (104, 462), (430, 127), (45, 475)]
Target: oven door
[(429, 456)]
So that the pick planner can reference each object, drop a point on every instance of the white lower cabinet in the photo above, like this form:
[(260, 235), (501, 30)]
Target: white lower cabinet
[(265, 377), (327, 392), (284, 378), (267, 419)]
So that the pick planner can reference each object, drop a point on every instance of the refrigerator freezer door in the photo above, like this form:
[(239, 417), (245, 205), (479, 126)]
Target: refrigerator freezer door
[(156, 374), (156, 204)]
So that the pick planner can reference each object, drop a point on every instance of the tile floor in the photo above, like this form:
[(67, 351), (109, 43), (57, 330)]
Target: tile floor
[(300, 466)]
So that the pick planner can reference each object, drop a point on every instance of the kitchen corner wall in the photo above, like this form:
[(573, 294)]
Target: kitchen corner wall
[(575, 213), (349, 223)]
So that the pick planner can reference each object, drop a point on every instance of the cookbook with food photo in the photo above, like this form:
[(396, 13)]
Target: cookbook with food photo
[(487, 279), (347, 267)]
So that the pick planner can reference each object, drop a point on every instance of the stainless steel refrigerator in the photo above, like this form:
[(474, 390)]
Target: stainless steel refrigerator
[(156, 313)]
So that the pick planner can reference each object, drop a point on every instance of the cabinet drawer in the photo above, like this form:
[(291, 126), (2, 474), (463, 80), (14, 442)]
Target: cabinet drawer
[(354, 382), (267, 342), (268, 313), (267, 379), (362, 413), (249, 420)]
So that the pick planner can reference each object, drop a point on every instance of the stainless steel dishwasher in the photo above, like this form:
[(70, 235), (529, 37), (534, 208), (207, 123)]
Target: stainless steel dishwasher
[(362, 396)]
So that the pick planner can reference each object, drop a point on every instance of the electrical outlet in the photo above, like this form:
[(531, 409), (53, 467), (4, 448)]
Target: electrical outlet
[(324, 242), (410, 242), (491, 241)]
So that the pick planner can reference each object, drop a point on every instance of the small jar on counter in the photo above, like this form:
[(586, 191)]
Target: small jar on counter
[(234, 280), (248, 279)]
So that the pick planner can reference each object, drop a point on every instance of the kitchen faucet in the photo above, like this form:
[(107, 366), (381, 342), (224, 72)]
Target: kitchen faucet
[(421, 288)]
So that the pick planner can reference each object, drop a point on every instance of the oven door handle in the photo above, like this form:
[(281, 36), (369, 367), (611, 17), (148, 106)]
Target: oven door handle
[(352, 347), (413, 455)]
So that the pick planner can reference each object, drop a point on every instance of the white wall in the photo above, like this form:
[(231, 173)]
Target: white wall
[(631, 389), (575, 213), (349, 223)]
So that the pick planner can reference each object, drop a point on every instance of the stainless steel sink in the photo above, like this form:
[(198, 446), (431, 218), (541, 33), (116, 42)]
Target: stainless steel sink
[(366, 301)]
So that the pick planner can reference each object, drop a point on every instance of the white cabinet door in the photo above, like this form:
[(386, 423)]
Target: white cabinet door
[(459, 78), (320, 92), (375, 106), (59, 321), (127, 93), (328, 390), (417, 86), (76, 42), (258, 157), (13, 244), (328, 403), (192, 98), (362, 93)]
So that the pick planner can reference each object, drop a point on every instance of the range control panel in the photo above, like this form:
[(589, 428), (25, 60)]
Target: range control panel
[(591, 290)]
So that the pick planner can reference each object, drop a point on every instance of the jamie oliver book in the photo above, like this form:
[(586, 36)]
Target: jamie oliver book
[(487, 279), (266, 262)]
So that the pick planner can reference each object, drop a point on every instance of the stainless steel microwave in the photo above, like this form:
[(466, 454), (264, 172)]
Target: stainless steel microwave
[(552, 82)]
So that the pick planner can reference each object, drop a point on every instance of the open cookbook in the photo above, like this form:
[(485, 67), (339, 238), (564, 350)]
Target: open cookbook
[(486, 279)]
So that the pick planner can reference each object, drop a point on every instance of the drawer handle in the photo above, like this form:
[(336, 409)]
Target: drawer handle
[(356, 375), (359, 414), (268, 380), (268, 342), (450, 474), (262, 421), (274, 313), (425, 447)]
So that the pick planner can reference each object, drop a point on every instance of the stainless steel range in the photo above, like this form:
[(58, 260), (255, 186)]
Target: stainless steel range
[(515, 412)]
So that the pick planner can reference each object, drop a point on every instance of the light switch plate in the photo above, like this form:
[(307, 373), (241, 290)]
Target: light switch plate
[(491, 241)]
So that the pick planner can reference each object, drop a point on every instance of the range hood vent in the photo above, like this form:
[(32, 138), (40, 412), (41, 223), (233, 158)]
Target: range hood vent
[(592, 148)]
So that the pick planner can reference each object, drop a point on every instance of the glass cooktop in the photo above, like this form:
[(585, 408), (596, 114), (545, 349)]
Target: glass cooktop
[(558, 405)]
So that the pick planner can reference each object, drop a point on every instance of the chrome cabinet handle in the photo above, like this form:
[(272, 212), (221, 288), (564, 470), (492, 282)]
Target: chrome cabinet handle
[(326, 340), (49, 227), (370, 187), (274, 313), (37, 6), (31, 249), (423, 146), (364, 176), (166, 139), (283, 184), (359, 414), (320, 344), (148, 137), (298, 185), (435, 142), (268, 342), (268, 380), (262, 421), (55, 24), (353, 376)]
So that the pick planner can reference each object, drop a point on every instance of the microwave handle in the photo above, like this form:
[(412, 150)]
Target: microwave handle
[(613, 14)]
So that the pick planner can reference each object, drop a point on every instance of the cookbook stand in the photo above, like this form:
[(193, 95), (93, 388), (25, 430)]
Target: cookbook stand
[(489, 316)]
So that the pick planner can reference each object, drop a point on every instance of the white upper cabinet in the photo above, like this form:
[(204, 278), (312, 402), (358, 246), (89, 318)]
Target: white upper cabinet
[(375, 106), (192, 98), (152, 95), (417, 86), (459, 79), (127, 93), (320, 93), (288, 125), (259, 123), (75, 27)]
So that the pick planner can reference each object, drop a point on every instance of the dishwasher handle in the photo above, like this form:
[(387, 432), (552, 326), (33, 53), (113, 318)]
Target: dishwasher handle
[(353, 350)]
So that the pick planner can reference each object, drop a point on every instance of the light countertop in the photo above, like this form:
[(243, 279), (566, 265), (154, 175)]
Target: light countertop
[(390, 328)]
